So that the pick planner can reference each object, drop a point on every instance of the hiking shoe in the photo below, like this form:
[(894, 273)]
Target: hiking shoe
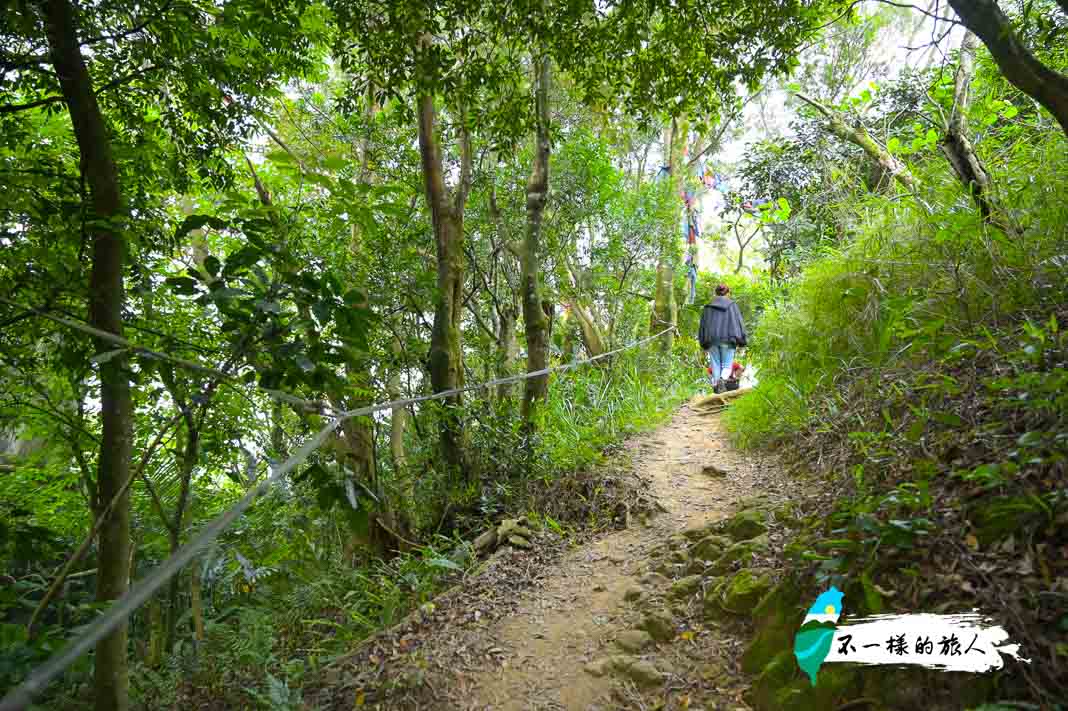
[(717, 388)]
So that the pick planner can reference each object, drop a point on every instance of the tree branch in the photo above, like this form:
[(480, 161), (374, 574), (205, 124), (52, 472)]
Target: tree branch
[(133, 30), (13, 108)]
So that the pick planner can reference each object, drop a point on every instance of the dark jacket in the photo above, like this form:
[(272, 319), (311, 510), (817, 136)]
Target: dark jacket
[(721, 322)]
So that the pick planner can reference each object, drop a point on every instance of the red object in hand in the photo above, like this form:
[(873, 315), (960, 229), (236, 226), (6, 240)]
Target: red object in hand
[(737, 370), (709, 369)]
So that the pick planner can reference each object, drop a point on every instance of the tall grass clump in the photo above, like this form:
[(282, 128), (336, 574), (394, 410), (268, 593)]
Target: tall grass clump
[(592, 407), (908, 283)]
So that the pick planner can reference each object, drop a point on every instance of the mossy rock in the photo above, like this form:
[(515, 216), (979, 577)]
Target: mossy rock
[(710, 547), (696, 567), (641, 672), (512, 526), (633, 640), (742, 551), (777, 674), (699, 531), (677, 541), (654, 580), (745, 590), (777, 619), (660, 625), (781, 604), (713, 602), (781, 687), (746, 524), (787, 514), (685, 587), (757, 501), (518, 541)]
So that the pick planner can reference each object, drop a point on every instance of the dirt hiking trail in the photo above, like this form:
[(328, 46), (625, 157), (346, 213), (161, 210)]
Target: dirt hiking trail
[(552, 630)]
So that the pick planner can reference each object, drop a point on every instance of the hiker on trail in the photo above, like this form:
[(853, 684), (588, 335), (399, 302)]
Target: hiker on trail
[(721, 332)]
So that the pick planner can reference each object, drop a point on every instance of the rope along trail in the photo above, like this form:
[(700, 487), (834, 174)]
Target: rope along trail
[(140, 592)]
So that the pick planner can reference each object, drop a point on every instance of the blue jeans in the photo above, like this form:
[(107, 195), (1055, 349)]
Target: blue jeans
[(720, 358)]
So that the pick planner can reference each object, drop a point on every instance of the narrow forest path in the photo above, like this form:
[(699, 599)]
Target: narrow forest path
[(525, 632), (578, 613)]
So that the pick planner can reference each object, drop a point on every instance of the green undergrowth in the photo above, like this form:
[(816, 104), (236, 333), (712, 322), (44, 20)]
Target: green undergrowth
[(917, 382), (948, 492), (285, 623)]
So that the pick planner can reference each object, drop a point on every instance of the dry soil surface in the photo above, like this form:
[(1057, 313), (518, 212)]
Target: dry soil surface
[(574, 616)]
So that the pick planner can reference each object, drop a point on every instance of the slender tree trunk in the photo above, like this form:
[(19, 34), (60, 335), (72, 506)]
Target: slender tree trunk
[(955, 145), (399, 514), (196, 602), (1017, 62), (278, 433), (665, 308), (398, 417), (507, 315), (742, 243), (507, 349), (535, 322), (187, 464), (106, 299), (156, 635), (446, 364), (589, 330)]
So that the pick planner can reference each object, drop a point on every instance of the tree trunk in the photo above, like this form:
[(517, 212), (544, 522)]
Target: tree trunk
[(535, 322), (446, 364), (1017, 63), (742, 243), (589, 329), (187, 463), (955, 145), (106, 299), (358, 435), (156, 635), (398, 416), (278, 433), (665, 310), (196, 602), (507, 349)]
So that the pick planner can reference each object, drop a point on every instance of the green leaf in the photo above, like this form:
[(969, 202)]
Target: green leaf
[(272, 307), (894, 145), (950, 419), (444, 563), (212, 265), (183, 285), (196, 222), (239, 260), (872, 599)]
